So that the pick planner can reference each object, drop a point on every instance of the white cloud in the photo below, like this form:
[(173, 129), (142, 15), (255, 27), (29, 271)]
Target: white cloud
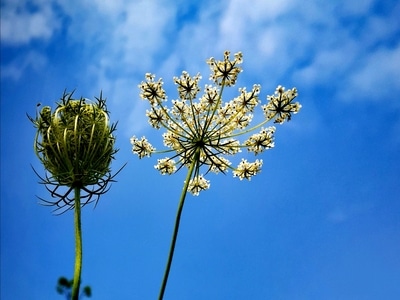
[(282, 41), (377, 78), (124, 35), (329, 64), (355, 58), (239, 14), (254, 28), (15, 68), (353, 8), (21, 23)]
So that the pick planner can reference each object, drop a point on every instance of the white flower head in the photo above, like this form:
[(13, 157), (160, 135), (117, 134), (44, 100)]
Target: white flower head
[(203, 131), (198, 184)]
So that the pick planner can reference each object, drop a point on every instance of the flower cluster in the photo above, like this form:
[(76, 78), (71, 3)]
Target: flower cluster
[(280, 105), (201, 132)]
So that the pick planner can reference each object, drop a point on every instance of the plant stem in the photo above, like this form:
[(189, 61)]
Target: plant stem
[(78, 245), (176, 228)]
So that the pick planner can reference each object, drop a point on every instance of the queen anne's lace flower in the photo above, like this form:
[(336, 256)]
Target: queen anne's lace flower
[(197, 184), (166, 166), (280, 105), (204, 133), (152, 90), (225, 72), (247, 170), (187, 86), (261, 141), (141, 147)]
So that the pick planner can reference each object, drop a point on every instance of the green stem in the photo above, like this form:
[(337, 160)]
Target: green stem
[(176, 228), (78, 245)]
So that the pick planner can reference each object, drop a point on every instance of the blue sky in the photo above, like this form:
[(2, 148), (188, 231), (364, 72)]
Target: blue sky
[(321, 221)]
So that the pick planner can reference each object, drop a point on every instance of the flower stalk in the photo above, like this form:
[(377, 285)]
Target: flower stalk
[(78, 245), (176, 228)]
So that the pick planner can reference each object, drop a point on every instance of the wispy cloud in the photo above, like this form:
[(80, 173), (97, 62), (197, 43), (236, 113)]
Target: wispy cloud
[(23, 21), (377, 78), (351, 48), (351, 211), (30, 60)]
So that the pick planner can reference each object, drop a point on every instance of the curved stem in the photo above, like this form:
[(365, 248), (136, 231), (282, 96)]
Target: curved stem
[(78, 245), (176, 228)]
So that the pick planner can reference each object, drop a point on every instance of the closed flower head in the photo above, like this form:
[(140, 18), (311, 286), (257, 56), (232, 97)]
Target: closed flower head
[(75, 144)]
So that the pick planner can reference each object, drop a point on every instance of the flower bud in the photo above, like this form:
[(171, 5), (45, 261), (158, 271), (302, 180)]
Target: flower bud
[(75, 144)]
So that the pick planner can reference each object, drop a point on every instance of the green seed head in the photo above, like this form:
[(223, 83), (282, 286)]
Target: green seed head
[(75, 144)]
